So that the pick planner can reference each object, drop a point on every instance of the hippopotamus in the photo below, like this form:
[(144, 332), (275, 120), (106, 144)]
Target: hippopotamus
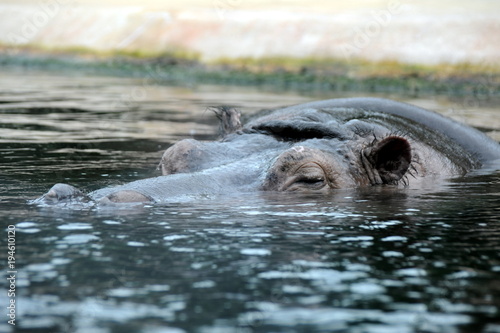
[(316, 147)]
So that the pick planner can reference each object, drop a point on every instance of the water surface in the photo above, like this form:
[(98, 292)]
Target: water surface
[(374, 260)]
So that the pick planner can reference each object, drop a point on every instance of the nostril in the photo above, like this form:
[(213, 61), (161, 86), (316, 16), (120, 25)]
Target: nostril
[(176, 159), (51, 195), (60, 192)]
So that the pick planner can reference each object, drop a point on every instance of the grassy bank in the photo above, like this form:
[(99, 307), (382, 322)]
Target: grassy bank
[(282, 73)]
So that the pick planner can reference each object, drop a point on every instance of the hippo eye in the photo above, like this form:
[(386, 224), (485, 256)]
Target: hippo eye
[(310, 176), (315, 180), (302, 169), (312, 182)]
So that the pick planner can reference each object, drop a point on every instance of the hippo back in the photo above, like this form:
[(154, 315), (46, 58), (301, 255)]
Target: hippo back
[(475, 142)]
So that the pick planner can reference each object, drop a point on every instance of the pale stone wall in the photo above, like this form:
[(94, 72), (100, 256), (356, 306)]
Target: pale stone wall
[(423, 32)]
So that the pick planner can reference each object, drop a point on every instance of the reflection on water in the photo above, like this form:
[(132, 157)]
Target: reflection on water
[(375, 260)]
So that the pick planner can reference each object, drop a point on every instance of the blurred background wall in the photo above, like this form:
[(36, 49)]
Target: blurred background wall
[(421, 32)]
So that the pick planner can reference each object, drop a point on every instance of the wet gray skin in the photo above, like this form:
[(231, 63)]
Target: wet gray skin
[(313, 147)]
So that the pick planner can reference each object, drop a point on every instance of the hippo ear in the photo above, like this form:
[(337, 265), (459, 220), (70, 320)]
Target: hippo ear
[(387, 161), (229, 118)]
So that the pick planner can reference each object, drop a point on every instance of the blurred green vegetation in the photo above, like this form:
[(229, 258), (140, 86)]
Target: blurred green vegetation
[(179, 66)]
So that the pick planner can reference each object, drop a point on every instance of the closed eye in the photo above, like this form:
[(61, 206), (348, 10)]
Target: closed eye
[(310, 180)]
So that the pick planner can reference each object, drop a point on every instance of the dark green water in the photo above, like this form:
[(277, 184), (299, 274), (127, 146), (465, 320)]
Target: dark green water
[(376, 260)]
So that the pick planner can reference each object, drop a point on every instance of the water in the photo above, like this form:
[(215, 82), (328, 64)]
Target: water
[(374, 260)]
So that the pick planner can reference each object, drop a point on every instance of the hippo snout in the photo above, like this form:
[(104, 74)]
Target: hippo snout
[(129, 196)]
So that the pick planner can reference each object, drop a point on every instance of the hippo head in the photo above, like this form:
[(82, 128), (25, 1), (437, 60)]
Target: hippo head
[(309, 151)]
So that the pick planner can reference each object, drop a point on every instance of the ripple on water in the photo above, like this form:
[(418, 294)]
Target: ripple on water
[(40, 272), (367, 288), (27, 227), (92, 311), (41, 267), (306, 214), (231, 232), (392, 254), (156, 329), (255, 252), (308, 263), (182, 249), (135, 244), (26, 224), (361, 238), (204, 284), (111, 222), (394, 239), (174, 237), (60, 261), (380, 224), (325, 279), (340, 319), (78, 239), (75, 226), (412, 272), (122, 292)]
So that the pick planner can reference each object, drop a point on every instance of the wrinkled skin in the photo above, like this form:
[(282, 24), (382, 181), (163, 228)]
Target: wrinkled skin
[(314, 147)]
